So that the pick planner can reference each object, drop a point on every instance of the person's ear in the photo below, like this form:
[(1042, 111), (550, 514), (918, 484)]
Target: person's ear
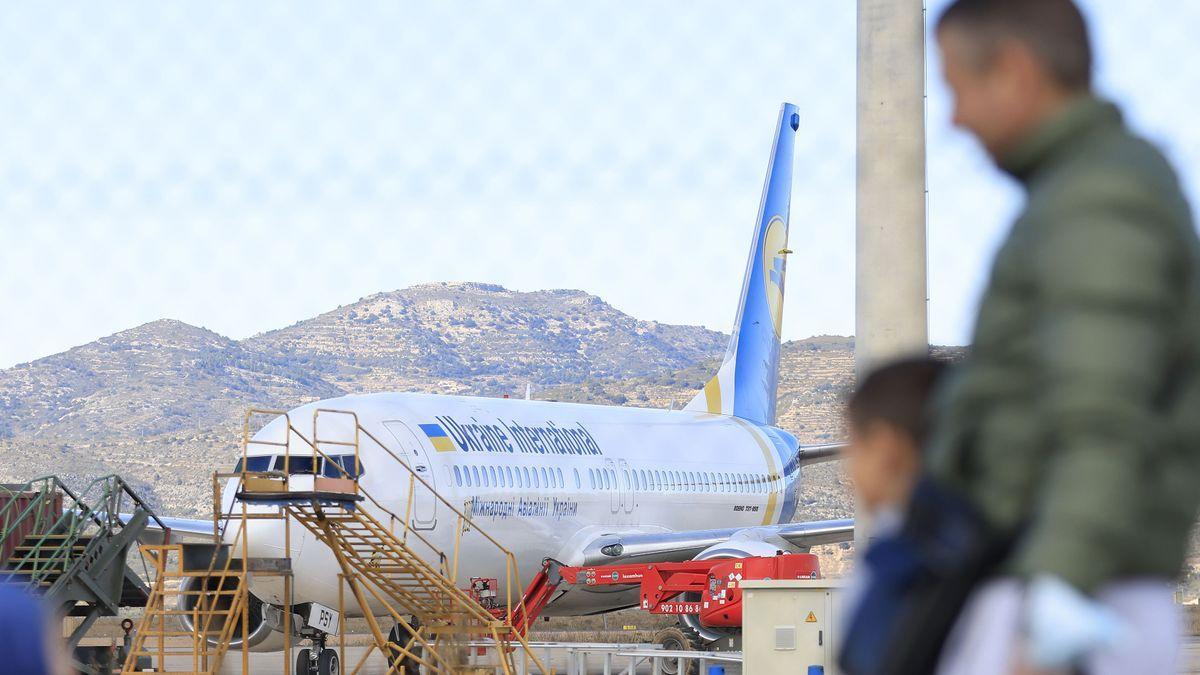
[(1016, 66)]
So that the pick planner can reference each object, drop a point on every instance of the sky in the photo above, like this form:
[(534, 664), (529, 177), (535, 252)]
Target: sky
[(242, 166)]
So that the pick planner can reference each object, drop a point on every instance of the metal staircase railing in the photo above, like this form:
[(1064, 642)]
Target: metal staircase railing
[(71, 547), (386, 562)]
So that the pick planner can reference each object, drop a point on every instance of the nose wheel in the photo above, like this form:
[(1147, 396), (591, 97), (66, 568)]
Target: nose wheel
[(319, 660)]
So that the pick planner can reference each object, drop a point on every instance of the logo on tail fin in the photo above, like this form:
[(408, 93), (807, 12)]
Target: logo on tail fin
[(774, 264)]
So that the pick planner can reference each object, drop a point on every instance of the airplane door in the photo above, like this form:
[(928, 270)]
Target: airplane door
[(424, 502), (615, 494), (628, 485)]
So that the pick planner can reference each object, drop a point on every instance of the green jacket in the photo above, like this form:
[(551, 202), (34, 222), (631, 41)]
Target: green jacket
[(1077, 412)]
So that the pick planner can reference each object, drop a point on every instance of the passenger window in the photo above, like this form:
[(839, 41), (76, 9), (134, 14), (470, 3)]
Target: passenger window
[(508, 478), (578, 483), (492, 475), (457, 476), (475, 476)]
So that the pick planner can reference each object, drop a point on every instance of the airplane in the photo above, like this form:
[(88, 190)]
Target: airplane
[(582, 484)]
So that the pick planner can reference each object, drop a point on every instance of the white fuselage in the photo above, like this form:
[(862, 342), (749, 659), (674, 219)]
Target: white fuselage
[(539, 477)]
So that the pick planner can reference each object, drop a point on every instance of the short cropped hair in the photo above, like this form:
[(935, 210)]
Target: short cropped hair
[(898, 394), (1054, 29)]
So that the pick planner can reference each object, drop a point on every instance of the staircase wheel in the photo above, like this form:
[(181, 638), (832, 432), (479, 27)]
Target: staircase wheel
[(304, 662), (675, 639), (328, 663)]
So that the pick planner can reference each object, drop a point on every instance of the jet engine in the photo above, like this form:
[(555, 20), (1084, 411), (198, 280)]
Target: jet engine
[(203, 591), (743, 544)]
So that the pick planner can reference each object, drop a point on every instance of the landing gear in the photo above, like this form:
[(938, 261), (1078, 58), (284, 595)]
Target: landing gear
[(399, 635), (328, 663), (304, 662), (320, 660)]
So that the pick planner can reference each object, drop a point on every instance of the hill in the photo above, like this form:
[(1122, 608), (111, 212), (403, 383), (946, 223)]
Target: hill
[(162, 403), (481, 338)]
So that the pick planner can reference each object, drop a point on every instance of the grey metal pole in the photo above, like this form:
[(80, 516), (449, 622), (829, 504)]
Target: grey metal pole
[(891, 292)]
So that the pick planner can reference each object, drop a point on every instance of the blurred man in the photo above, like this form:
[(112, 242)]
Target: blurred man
[(1074, 425)]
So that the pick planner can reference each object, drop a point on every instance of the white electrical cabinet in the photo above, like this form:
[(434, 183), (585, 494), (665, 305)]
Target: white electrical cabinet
[(789, 626)]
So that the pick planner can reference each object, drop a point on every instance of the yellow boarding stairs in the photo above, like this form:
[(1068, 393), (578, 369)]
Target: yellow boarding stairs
[(206, 585), (387, 562)]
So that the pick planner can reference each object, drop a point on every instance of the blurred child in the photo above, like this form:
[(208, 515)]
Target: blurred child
[(887, 419), (888, 423)]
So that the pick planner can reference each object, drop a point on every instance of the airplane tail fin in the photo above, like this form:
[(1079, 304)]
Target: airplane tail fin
[(745, 385)]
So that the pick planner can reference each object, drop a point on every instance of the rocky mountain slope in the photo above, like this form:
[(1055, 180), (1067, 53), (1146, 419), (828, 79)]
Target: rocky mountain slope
[(481, 337), (162, 403)]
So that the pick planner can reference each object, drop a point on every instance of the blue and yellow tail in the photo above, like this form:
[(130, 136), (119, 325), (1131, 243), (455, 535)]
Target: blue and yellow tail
[(745, 384)]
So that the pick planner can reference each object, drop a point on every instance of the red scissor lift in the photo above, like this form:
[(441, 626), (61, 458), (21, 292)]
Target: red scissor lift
[(664, 586)]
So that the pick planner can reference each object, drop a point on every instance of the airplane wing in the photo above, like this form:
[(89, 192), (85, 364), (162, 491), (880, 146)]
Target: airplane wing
[(181, 530), (635, 546), (816, 454)]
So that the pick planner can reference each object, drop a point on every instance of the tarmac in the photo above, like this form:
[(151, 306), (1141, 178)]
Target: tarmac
[(272, 663)]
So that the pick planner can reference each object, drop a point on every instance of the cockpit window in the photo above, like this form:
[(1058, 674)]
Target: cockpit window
[(257, 464), (346, 462), (297, 465), (302, 464)]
